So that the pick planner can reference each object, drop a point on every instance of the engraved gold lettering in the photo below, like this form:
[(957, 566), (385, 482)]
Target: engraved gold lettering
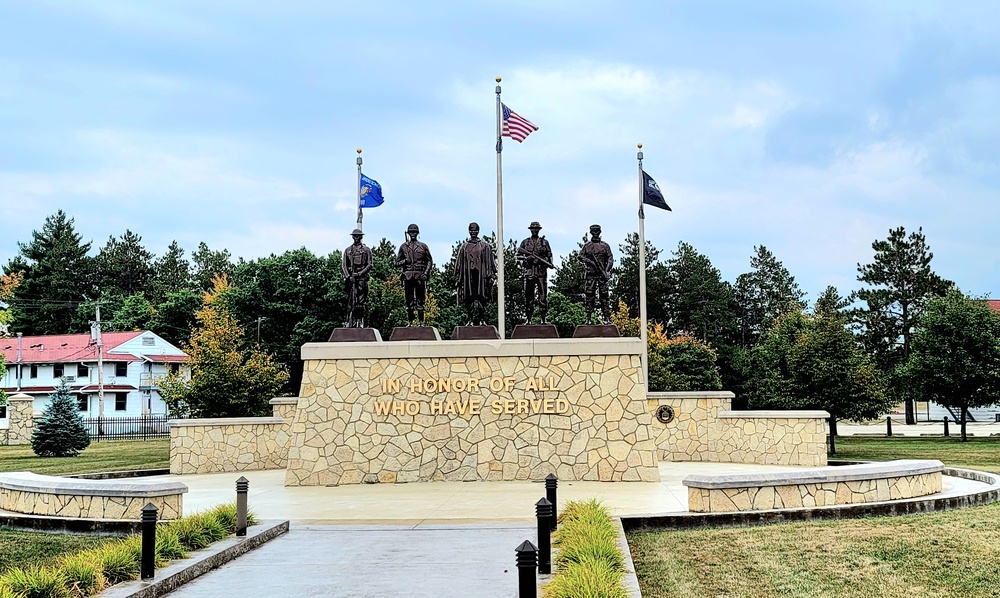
[(531, 384), (496, 384), (562, 405), (496, 407), (458, 385), (382, 407), (412, 408), (437, 406)]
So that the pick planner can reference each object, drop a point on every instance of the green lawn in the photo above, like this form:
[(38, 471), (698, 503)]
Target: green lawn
[(19, 547), (940, 554), (981, 453), (103, 456)]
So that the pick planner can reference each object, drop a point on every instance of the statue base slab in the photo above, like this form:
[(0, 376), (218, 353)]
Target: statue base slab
[(535, 331), (414, 333), (475, 333), (355, 335), (596, 331)]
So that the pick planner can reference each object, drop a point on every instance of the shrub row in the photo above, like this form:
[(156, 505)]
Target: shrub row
[(88, 572), (588, 562)]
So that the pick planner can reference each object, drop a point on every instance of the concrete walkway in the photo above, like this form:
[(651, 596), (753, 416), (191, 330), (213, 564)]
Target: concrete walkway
[(440, 502), (918, 429), (459, 561)]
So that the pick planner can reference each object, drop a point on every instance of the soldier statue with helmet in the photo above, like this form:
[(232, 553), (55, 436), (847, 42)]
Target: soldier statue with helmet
[(597, 260), (356, 265), (415, 263), (535, 255)]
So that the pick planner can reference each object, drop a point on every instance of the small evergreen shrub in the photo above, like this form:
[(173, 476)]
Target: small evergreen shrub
[(60, 432)]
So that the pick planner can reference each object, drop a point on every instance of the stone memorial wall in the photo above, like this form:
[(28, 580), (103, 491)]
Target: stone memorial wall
[(472, 410)]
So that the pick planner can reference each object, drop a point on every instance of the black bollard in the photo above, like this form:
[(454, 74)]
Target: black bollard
[(551, 481), (242, 487), (148, 564), (543, 512), (527, 586), (888, 426), (946, 426)]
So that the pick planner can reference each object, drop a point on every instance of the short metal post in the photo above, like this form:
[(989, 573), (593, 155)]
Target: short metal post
[(551, 482), (946, 426), (888, 426), (242, 487), (527, 586), (543, 512), (148, 564)]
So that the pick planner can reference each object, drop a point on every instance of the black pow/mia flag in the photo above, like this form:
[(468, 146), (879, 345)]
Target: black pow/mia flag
[(651, 193)]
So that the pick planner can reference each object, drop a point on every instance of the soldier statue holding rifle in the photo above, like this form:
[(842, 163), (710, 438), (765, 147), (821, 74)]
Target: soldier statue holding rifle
[(597, 260), (415, 263), (536, 259), (356, 266)]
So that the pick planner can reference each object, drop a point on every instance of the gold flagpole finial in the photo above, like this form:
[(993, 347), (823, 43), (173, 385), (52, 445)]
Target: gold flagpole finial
[(498, 79), (639, 145), (359, 150)]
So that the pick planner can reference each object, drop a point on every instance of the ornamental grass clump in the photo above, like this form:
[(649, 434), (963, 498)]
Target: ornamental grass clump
[(589, 563), (87, 572), (36, 582)]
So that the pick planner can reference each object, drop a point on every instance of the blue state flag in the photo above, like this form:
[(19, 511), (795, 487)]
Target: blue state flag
[(371, 193)]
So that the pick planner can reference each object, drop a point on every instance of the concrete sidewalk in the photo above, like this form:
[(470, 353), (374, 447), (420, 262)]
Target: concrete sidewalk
[(978, 429), (459, 560), (441, 502)]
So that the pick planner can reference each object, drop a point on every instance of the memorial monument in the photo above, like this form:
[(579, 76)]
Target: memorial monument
[(535, 254), (356, 265), (475, 273), (597, 262), (415, 265)]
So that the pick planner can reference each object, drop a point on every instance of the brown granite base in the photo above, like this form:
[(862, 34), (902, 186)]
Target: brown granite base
[(596, 331), (535, 331), (355, 335), (414, 333), (475, 333)]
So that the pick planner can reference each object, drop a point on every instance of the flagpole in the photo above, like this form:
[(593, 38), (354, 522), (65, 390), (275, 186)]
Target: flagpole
[(359, 188), (501, 313), (642, 279)]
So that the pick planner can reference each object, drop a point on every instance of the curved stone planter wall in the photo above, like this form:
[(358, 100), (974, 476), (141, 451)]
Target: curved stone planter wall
[(33, 494), (845, 485)]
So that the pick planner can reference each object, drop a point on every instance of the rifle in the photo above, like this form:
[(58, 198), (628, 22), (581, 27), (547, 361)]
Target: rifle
[(525, 253)]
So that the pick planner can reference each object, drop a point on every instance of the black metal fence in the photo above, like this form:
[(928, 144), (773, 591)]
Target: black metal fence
[(143, 427)]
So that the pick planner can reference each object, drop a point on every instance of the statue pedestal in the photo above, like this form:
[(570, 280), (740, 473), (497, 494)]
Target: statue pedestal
[(414, 333), (596, 331), (475, 333), (355, 335), (535, 331)]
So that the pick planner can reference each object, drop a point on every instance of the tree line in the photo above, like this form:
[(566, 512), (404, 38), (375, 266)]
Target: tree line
[(849, 354)]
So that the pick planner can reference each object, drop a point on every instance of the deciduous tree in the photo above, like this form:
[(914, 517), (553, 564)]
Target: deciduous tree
[(812, 361), (955, 355), (229, 377)]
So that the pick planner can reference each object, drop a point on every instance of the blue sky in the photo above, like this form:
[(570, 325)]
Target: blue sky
[(809, 127)]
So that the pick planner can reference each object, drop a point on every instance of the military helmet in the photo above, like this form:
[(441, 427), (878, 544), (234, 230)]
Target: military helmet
[(595, 227), (413, 228), (357, 233)]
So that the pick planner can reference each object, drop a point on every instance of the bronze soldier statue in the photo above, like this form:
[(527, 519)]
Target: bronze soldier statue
[(597, 259), (415, 262), (536, 259), (356, 265), (475, 272)]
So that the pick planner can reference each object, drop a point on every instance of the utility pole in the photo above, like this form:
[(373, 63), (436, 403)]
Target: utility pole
[(100, 368)]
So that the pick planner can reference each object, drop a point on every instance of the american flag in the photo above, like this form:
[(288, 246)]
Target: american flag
[(516, 126)]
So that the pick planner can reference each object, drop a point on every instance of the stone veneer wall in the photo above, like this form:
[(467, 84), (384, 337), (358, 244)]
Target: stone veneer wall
[(21, 418), (88, 507), (605, 434), (772, 438), (920, 481), (704, 429), (232, 444)]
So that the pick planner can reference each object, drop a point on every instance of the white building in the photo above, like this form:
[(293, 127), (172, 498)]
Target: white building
[(133, 364)]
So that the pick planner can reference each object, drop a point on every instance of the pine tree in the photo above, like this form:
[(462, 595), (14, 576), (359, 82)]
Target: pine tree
[(171, 273), (124, 267), (625, 281), (207, 264), (60, 431), (57, 275), (901, 283), (763, 295)]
